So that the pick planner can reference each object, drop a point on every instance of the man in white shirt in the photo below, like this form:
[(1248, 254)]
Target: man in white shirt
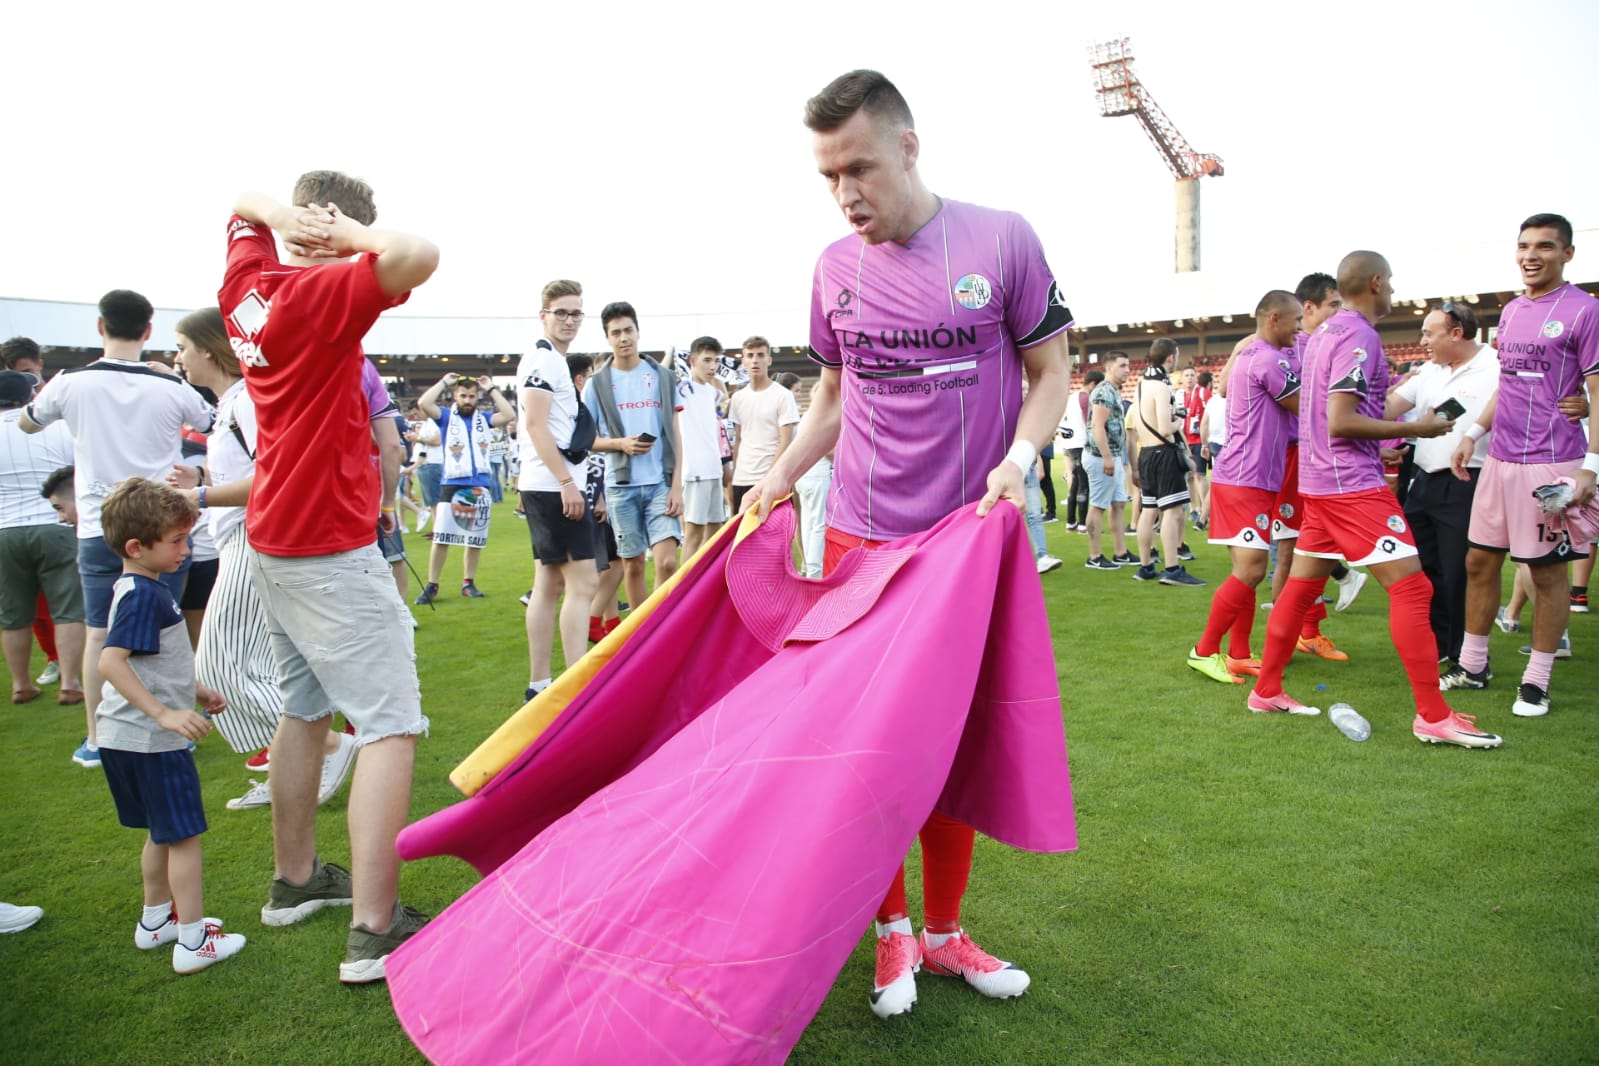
[(37, 552), (559, 520), (1458, 383), (764, 415), (127, 420)]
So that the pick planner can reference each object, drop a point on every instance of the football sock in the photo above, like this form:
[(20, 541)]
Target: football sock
[(898, 925), (1224, 609), (1538, 669), (155, 917), (1474, 653), (1339, 572), (1408, 603), (894, 907), (192, 934), (936, 940), (1243, 629), (946, 869), (1310, 629), (1287, 616)]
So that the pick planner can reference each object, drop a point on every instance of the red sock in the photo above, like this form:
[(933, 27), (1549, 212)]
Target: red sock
[(1224, 608), (44, 630), (613, 623), (1287, 615), (1243, 628), (894, 906), (946, 869), (1409, 602), (1310, 629)]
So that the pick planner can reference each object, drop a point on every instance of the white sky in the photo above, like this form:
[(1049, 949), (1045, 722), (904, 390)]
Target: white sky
[(655, 151)]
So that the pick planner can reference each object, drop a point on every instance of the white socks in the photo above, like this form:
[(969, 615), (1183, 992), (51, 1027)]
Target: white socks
[(903, 925), (155, 917)]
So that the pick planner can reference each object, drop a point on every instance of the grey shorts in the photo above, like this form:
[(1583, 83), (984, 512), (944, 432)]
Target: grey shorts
[(704, 503), (341, 638), (35, 559)]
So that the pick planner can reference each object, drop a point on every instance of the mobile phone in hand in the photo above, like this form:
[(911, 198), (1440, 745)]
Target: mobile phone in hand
[(1450, 409), (646, 438)]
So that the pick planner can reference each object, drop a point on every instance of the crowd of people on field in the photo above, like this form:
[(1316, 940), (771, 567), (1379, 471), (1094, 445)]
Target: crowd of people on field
[(219, 545)]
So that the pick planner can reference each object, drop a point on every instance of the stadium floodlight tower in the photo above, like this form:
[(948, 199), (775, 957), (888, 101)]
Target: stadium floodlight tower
[(1121, 93)]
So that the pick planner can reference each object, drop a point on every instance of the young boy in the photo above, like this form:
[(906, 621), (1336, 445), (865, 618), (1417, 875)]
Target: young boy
[(146, 720), (703, 501)]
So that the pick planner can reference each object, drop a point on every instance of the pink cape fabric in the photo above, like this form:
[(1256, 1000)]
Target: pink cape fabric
[(679, 866)]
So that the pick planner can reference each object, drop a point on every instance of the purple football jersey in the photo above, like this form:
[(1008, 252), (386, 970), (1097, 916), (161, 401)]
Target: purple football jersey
[(1546, 347), (928, 337), (1262, 377), (1344, 355)]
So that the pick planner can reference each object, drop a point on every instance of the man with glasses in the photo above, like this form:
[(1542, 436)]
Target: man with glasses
[(1548, 349), (559, 520), (1458, 382)]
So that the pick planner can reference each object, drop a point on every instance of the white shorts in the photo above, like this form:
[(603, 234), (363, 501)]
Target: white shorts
[(703, 503)]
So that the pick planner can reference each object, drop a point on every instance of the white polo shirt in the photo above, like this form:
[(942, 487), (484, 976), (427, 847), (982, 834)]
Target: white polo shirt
[(1473, 383)]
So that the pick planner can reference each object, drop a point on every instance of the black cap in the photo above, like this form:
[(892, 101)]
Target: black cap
[(16, 388)]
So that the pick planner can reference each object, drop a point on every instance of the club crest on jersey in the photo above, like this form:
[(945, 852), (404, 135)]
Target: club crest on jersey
[(1286, 511), (1262, 523), (1396, 523), (1553, 329), (973, 292), (1360, 355), (249, 318), (1285, 366)]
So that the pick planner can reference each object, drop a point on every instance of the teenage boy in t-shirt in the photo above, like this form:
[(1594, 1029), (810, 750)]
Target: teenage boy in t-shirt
[(336, 620), (704, 506), (764, 415), (559, 519)]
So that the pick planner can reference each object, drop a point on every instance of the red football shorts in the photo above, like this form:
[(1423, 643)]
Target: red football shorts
[(1241, 517), (1361, 527)]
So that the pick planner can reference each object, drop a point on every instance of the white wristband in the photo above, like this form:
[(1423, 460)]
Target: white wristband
[(1590, 463), (1023, 454), (1477, 431)]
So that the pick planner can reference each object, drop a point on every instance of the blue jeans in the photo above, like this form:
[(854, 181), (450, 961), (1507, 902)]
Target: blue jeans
[(637, 514), (496, 481), (1035, 512), (429, 476)]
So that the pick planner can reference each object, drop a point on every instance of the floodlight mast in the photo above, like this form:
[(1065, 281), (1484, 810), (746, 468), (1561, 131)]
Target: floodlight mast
[(1121, 93)]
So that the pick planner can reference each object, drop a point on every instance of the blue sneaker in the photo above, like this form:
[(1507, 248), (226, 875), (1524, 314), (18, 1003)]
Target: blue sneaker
[(86, 757)]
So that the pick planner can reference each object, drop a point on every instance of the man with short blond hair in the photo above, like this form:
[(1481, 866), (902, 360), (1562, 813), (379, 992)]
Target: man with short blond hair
[(329, 598)]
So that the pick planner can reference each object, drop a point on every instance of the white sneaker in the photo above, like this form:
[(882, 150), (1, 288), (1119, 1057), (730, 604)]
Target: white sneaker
[(422, 520), (1505, 623), (336, 768), (216, 946), (14, 919), (259, 795), (51, 675), (1349, 588), (1046, 563)]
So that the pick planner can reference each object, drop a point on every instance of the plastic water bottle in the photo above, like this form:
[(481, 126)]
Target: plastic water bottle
[(1349, 722)]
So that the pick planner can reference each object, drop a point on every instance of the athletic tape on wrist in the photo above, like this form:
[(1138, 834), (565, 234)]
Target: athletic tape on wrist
[(1023, 454), (1590, 463)]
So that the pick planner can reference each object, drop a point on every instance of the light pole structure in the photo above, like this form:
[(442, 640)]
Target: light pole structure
[(1121, 93)]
